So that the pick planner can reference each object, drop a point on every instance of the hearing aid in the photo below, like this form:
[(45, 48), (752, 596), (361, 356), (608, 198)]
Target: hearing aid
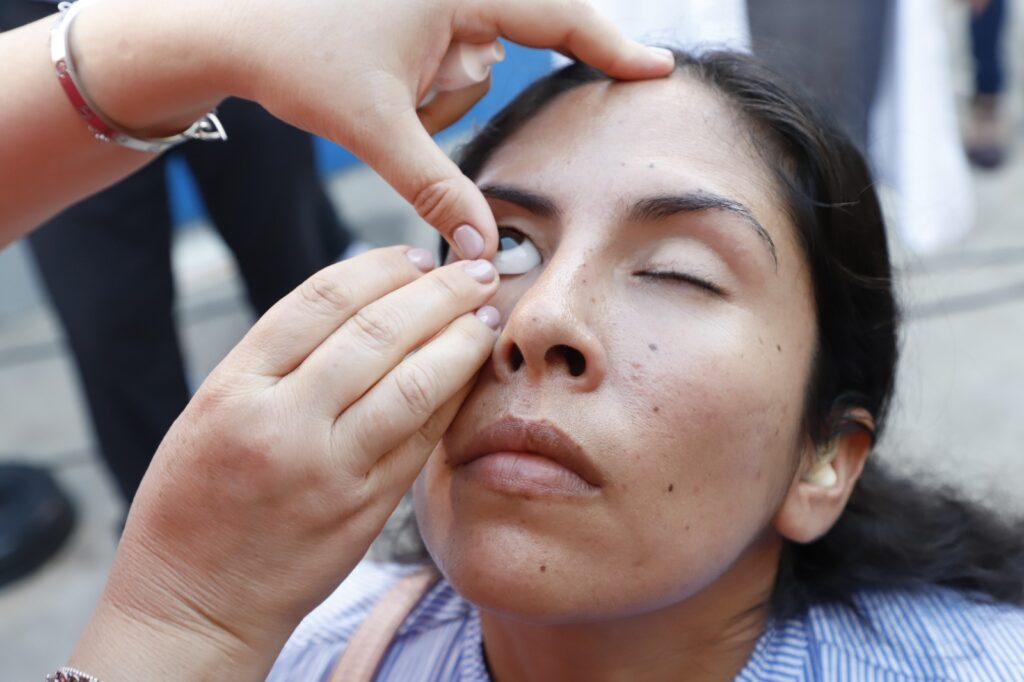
[(822, 473), (464, 64)]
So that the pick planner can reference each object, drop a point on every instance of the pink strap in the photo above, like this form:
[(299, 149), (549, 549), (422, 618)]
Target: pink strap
[(366, 649)]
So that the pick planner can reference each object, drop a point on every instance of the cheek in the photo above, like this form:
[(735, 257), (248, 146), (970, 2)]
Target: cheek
[(716, 406)]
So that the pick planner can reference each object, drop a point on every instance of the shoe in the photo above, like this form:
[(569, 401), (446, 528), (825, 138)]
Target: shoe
[(36, 518), (987, 132)]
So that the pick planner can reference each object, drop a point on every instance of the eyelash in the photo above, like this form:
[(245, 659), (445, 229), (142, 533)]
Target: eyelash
[(683, 277)]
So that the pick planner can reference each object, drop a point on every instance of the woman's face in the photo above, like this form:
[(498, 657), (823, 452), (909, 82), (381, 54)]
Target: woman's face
[(640, 421)]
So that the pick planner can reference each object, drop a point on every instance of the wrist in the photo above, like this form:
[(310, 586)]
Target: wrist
[(117, 645), (149, 68)]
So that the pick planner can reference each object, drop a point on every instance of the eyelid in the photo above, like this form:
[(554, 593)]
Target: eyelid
[(700, 282)]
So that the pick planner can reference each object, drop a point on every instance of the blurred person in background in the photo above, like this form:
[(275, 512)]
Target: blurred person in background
[(106, 263), (987, 133), (877, 66)]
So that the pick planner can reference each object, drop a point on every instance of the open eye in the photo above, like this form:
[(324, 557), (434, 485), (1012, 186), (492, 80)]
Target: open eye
[(516, 253)]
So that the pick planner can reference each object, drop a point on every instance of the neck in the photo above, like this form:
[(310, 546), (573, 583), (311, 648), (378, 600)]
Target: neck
[(706, 637)]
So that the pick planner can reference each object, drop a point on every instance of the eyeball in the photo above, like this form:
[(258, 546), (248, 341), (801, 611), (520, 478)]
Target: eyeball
[(516, 253)]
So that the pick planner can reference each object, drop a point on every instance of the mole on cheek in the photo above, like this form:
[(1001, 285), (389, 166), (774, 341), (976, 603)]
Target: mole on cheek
[(543, 568), (671, 487), (653, 346), (657, 409)]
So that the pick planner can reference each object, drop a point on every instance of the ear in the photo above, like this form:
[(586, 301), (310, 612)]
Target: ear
[(823, 482)]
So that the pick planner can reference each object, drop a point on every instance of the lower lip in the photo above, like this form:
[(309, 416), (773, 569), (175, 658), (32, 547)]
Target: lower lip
[(525, 474)]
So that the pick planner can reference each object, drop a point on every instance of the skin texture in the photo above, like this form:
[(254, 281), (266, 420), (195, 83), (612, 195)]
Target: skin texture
[(689, 403)]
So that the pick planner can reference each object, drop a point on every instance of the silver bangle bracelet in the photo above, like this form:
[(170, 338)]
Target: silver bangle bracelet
[(206, 128), (70, 675)]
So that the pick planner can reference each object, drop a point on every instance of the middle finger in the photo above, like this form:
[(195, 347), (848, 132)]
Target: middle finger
[(376, 339)]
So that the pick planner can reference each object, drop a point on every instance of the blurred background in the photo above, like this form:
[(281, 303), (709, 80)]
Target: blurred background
[(932, 89)]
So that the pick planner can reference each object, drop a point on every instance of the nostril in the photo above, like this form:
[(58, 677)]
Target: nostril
[(574, 359), (515, 358)]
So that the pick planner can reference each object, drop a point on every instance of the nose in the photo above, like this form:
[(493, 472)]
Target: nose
[(548, 336)]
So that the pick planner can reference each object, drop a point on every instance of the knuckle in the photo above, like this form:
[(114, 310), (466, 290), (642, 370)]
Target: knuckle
[(437, 203), (472, 333), (451, 285), (376, 328), (326, 293), (418, 387)]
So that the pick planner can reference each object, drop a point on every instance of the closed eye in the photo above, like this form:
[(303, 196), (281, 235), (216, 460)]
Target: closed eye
[(683, 277)]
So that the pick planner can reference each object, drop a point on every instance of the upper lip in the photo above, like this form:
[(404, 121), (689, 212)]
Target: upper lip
[(542, 438)]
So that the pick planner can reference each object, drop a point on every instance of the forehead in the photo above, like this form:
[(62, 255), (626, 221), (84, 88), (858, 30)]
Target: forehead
[(609, 142)]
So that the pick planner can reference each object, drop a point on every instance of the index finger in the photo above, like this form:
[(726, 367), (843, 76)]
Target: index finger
[(571, 26)]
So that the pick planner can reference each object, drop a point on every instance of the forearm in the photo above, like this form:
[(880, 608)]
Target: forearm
[(138, 70)]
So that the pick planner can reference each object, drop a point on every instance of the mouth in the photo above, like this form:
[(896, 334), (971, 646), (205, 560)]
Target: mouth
[(514, 455)]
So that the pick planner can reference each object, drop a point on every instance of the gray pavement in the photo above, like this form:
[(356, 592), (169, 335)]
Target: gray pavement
[(957, 418)]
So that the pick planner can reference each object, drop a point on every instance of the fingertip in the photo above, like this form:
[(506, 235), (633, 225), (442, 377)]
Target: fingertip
[(662, 58), (490, 316), (421, 258)]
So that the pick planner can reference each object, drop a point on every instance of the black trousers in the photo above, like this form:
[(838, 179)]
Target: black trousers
[(106, 264)]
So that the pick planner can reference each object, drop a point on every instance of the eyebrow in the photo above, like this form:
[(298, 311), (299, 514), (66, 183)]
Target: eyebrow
[(649, 209), (658, 208), (534, 203)]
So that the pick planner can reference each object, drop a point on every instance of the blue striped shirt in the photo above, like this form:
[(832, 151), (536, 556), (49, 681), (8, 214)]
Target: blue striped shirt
[(934, 634)]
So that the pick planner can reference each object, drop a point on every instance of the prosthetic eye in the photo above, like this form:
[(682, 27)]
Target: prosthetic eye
[(516, 253)]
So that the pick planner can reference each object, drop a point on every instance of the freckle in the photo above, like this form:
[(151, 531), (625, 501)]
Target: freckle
[(657, 409), (543, 568), (650, 165), (778, 348), (652, 346), (584, 281), (671, 487), (696, 490), (593, 300)]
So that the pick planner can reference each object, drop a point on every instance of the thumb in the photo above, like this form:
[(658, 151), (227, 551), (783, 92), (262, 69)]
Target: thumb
[(401, 150)]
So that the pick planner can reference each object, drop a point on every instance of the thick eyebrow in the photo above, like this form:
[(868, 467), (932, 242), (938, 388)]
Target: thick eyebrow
[(657, 208), (534, 203), (649, 209)]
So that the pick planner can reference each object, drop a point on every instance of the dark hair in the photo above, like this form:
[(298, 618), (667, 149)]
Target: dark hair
[(893, 533)]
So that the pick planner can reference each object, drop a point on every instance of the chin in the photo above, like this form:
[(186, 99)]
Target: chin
[(520, 586), (508, 568)]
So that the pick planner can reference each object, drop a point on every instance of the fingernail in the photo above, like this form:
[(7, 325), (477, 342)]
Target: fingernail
[(421, 258), (497, 52), (480, 270), (663, 54), (469, 241), (489, 315)]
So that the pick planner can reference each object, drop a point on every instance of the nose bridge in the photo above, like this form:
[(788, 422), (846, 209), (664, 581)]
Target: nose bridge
[(548, 334), (557, 288)]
